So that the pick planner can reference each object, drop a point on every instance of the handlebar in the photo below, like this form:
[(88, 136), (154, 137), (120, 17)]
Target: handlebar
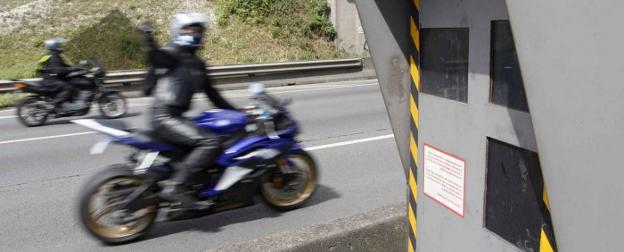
[(273, 102), (266, 111), (77, 72)]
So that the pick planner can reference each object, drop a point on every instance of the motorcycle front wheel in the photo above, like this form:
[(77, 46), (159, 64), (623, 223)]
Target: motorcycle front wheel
[(285, 192), (98, 199), (31, 111), (113, 105)]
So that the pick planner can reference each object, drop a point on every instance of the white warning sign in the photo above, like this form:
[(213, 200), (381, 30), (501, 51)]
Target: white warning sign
[(444, 179)]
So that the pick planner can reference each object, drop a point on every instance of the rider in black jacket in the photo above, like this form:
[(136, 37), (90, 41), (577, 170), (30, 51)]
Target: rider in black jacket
[(181, 73), (55, 71)]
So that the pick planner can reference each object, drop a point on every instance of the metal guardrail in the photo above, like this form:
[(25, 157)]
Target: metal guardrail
[(221, 72)]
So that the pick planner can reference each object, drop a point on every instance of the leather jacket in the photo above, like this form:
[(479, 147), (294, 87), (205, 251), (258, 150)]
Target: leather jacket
[(184, 73)]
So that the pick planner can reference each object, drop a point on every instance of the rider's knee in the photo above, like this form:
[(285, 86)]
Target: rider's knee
[(208, 142)]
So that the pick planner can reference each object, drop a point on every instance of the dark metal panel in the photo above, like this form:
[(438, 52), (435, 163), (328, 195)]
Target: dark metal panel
[(507, 86), (444, 59), (515, 187)]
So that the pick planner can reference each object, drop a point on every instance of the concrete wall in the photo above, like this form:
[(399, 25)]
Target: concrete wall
[(350, 35), (462, 130)]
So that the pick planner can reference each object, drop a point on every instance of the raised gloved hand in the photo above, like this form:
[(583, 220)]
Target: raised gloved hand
[(147, 30)]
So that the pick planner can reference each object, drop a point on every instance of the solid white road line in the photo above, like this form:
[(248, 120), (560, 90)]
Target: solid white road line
[(46, 137), (357, 141)]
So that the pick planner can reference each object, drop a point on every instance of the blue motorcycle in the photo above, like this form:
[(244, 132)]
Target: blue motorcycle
[(261, 157)]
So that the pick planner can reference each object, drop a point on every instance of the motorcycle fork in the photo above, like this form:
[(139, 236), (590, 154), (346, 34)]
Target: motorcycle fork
[(283, 164), (280, 171)]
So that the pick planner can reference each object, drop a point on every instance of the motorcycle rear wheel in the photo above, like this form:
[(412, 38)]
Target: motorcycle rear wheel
[(284, 196), (101, 222), (113, 105), (31, 111)]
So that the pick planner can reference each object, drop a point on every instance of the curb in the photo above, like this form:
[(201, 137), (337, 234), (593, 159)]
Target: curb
[(382, 229)]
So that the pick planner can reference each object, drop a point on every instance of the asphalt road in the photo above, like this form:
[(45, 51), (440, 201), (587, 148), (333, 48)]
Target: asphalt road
[(344, 124)]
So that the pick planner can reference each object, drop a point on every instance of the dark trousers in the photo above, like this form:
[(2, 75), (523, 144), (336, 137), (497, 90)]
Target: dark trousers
[(64, 94), (182, 133)]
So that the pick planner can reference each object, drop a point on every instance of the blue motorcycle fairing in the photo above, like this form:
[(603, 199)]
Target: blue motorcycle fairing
[(284, 144), (295, 147), (232, 156), (148, 144), (218, 121), (222, 121), (224, 159)]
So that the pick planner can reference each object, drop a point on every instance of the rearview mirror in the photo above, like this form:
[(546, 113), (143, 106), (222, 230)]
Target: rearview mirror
[(256, 88)]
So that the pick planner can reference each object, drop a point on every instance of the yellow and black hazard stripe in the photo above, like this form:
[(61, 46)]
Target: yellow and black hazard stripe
[(547, 235), (414, 68)]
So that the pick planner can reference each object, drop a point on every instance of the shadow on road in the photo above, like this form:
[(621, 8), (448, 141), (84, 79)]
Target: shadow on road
[(214, 223)]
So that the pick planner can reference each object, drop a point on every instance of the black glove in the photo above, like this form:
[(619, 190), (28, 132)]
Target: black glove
[(147, 29)]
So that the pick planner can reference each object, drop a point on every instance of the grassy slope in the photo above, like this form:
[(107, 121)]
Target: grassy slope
[(10, 4), (243, 43), (105, 29)]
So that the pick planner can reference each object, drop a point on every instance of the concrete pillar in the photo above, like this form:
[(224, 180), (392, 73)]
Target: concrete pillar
[(350, 35)]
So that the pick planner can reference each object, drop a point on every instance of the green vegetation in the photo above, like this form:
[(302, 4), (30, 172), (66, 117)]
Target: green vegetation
[(115, 33), (284, 17), (104, 29), (10, 4), (241, 31), (272, 30), (9, 99)]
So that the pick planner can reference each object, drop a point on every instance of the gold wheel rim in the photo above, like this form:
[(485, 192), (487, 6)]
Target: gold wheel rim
[(267, 187), (117, 231)]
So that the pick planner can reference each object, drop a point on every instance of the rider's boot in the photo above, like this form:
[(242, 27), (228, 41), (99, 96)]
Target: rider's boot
[(50, 108), (60, 112), (176, 191)]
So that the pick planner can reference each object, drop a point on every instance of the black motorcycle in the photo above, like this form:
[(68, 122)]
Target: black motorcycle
[(34, 109)]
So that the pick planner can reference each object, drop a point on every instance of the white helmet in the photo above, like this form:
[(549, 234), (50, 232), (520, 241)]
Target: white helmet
[(54, 44), (183, 20)]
